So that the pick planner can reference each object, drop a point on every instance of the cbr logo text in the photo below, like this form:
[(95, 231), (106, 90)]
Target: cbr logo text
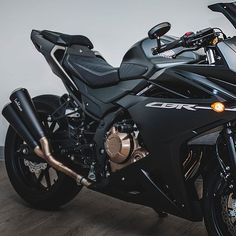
[(189, 107)]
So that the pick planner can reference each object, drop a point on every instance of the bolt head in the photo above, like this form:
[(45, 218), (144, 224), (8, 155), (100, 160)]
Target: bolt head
[(25, 151)]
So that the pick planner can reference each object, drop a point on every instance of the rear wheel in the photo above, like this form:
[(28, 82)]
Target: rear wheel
[(33, 179)]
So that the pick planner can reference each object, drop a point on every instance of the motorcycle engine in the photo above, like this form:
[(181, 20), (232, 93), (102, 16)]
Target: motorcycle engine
[(122, 145)]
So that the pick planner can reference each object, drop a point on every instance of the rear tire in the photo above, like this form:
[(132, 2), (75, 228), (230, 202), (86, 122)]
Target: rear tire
[(55, 192)]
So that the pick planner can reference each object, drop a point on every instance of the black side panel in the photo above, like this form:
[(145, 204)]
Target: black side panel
[(45, 47), (228, 9), (130, 100), (219, 75), (41, 44), (167, 138), (110, 94), (102, 100), (227, 50)]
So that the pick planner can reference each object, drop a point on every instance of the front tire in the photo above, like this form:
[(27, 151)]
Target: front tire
[(45, 188), (219, 207)]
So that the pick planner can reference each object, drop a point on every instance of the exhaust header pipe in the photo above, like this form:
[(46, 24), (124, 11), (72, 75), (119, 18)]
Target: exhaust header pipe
[(22, 116)]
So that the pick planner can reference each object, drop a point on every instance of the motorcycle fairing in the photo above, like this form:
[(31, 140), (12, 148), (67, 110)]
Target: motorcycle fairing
[(228, 9), (165, 141), (227, 50), (167, 125), (101, 100), (199, 81)]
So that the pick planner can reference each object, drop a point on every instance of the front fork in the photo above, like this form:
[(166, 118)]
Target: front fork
[(228, 170), (230, 143)]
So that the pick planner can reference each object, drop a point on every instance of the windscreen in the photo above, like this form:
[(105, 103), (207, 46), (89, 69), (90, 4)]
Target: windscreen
[(228, 9)]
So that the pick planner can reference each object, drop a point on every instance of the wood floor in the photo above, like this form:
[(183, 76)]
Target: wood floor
[(90, 214)]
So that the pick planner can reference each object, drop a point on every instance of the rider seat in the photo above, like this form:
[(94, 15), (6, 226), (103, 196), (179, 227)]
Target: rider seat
[(81, 62), (84, 64)]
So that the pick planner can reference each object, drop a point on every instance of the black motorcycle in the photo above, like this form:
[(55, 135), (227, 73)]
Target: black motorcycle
[(158, 131)]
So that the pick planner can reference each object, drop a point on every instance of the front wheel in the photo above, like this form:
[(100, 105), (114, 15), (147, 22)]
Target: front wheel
[(219, 206)]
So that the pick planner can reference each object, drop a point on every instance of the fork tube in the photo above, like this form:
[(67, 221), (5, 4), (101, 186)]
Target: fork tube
[(229, 135)]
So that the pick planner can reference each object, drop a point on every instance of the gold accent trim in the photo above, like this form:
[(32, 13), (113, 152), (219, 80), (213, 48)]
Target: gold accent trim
[(118, 146), (39, 152), (45, 146), (45, 154)]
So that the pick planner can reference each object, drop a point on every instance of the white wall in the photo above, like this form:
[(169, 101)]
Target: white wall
[(113, 26)]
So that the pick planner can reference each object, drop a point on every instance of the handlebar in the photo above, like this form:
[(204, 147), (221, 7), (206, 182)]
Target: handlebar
[(195, 40), (175, 44)]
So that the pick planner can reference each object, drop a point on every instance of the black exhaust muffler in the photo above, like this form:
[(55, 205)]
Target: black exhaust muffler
[(22, 116), (24, 106), (12, 117)]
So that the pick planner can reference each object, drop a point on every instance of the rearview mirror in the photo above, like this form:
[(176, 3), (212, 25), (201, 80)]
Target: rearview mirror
[(159, 30)]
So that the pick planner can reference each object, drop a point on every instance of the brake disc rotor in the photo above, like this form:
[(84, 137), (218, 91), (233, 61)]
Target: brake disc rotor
[(229, 212), (35, 168)]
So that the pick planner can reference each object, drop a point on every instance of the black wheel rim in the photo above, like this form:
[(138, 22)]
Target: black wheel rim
[(220, 214), (38, 176)]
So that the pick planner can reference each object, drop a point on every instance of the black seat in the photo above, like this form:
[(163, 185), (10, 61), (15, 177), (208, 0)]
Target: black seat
[(65, 39), (82, 64)]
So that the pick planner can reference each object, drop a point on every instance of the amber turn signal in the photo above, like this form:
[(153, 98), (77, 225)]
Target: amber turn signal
[(218, 107)]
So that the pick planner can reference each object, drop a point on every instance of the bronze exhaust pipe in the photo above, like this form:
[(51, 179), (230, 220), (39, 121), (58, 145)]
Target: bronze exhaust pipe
[(22, 116), (47, 156)]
